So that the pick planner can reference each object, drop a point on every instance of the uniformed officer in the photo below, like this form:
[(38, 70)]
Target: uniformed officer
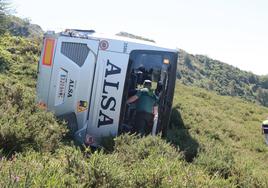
[(146, 108)]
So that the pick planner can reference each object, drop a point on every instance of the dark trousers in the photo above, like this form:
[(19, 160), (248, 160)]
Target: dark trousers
[(144, 123)]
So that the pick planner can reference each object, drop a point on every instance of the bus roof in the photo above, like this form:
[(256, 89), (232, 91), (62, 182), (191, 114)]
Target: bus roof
[(132, 40), (91, 34)]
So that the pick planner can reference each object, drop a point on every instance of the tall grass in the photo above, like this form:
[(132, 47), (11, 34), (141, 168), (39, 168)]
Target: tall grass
[(212, 141)]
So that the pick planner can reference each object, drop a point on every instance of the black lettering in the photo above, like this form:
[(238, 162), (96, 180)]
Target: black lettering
[(108, 103), (70, 89), (109, 84), (114, 69), (70, 93), (104, 119)]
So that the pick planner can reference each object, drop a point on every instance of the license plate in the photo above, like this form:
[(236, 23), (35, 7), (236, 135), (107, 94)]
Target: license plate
[(61, 86)]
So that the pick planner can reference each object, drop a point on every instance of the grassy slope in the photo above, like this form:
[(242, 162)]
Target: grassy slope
[(227, 131), (219, 136), (213, 75)]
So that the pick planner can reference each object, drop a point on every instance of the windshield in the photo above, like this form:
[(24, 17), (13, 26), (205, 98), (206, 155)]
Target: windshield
[(145, 67)]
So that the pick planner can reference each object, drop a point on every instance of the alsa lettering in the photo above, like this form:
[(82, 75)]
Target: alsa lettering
[(108, 103), (71, 88)]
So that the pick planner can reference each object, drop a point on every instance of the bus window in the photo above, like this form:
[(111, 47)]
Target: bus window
[(151, 66)]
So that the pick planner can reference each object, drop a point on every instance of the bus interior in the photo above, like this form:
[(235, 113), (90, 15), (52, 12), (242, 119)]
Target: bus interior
[(147, 65)]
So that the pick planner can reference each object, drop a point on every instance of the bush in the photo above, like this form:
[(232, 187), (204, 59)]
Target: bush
[(131, 148), (217, 159), (23, 125), (68, 166), (213, 141)]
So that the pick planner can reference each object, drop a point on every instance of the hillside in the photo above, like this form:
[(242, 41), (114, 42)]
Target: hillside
[(19, 27), (22, 27), (219, 136), (213, 140), (213, 75)]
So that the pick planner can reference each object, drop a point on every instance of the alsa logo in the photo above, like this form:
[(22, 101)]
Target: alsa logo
[(108, 102), (71, 88)]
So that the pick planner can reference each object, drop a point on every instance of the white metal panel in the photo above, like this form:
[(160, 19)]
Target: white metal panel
[(124, 46), (107, 94), (44, 74), (79, 79)]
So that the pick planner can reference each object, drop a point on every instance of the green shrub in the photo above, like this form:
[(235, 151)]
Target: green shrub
[(216, 159), (18, 59), (159, 165), (213, 141), (133, 148), (23, 125), (33, 169)]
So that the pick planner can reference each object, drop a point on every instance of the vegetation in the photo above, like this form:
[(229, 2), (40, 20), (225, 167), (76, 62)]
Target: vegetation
[(22, 27), (225, 79), (3, 13), (213, 141), (222, 134), (17, 26)]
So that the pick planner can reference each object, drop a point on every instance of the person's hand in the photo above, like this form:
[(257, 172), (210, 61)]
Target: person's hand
[(155, 117)]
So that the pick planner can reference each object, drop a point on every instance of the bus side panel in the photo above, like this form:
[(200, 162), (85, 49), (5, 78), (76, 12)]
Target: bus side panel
[(44, 74), (107, 94), (71, 82)]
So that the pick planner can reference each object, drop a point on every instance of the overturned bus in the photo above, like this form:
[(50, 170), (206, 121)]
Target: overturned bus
[(86, 78)]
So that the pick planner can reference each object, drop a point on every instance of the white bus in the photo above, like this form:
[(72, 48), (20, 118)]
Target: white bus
[(86, 78)]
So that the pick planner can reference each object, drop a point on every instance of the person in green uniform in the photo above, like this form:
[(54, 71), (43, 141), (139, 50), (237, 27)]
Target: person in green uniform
[(265, 130), (146, 108)]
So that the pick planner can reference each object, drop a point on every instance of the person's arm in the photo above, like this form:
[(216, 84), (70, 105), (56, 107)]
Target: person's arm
[(132, 99), (155, 112)]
